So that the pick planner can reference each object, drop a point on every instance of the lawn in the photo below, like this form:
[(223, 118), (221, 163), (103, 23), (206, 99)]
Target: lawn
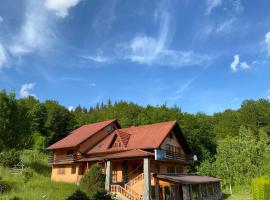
[(39, 186), (239, 193)]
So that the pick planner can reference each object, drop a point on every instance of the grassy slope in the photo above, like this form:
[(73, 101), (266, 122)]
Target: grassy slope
[(39, 186)]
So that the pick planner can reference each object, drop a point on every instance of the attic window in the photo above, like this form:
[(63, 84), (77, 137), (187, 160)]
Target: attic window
[(110, 128), (117, 144)]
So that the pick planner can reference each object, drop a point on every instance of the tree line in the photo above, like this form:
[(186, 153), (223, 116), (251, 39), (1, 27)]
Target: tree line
[(28, 123)]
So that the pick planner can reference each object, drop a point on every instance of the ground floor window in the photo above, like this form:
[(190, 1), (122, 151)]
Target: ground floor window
[(61, 171), (73, 169)]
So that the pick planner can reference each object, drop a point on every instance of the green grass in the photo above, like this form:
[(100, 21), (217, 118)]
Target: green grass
[(239, 193), (39, 186)]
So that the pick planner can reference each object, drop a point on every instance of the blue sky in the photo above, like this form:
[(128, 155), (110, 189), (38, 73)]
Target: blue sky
[(206, 56)]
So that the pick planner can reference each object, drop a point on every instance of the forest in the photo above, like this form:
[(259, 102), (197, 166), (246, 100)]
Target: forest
[(233, 145)]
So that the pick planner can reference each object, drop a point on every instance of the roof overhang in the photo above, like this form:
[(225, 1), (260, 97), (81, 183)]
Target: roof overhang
[(187, 179)]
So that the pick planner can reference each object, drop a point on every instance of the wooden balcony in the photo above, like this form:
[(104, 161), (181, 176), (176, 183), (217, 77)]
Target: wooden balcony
[(162, 154), (63, 159)]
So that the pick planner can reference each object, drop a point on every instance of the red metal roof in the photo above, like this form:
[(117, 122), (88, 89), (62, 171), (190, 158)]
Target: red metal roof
[(124, 154), (137, 137), (187, 179), (79, 135)]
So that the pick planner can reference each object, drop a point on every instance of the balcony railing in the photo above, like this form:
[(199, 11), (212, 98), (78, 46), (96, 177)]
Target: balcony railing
[(162, 154), (63, 159)]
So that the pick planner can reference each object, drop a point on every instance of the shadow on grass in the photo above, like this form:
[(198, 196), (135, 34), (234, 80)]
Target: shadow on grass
[(41, 168), (225, 195)]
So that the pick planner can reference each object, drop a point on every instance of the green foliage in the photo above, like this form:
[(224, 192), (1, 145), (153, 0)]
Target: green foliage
[(78, 195), (240, 158), (15, 123), (261, 188), (9, 158), (15, 198), (93, 181), (27, 174), (37, 161), (102, 196), (59, 121)]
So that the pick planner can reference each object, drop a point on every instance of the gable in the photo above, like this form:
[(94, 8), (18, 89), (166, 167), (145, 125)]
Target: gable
[(171, 143)]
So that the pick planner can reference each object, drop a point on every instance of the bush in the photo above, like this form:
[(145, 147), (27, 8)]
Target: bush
[(78, 195), (101, 196), (9, 158), (27, 174), (261, 188), (93, 181)]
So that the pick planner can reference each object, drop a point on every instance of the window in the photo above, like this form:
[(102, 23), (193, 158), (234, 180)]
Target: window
[(70, 152), (81, 170), (170, 169), (61, 171), (73, 169), (157, 167), (110, 128), (117, 144)]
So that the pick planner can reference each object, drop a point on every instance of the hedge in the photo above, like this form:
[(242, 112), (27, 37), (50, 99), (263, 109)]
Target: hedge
[(261, 188)]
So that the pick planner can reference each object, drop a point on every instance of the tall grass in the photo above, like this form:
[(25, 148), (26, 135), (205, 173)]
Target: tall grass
[(39, 186)]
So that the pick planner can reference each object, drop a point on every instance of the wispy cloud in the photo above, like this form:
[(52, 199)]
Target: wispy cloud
[(236, 64), (179, 92), (267, 42), (238, 6), (35, 33), (211, 4), (150, 50), (226, 26), (1, 19), (25, 90), (3, 56), (60, 7), (99, 58)]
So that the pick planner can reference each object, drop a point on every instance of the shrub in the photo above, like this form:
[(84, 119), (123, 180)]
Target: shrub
[(93, 181), (101, 196), (78, 195), (261, 188), (27, 174), (15, 198), (9, 158)]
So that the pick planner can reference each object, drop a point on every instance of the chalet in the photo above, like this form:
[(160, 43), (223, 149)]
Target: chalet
[(140, 162)]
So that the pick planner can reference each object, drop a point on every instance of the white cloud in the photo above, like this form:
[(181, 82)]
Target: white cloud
[(267, 41), (35, 33), (24, 91), (3, 56), (267, 94), (149, 50), (1, 19), (211, 4), (244, 65), (99, 58), (71, 108), (225, 26), (61, 7), (236, 64)]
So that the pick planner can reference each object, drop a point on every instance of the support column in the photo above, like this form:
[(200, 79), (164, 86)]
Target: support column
[(147, 179), (108, 175), (157, 193), (186, 193)]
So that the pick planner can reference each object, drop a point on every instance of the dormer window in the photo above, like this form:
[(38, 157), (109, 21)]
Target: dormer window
[(110, 128), (117, 144)]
